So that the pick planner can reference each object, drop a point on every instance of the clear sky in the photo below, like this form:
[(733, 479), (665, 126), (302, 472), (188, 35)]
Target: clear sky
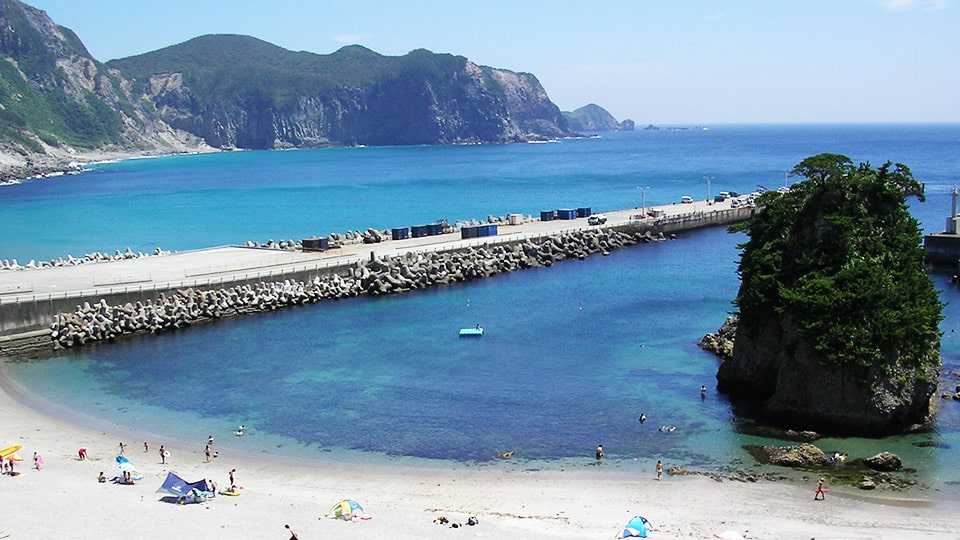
[(680, 61)]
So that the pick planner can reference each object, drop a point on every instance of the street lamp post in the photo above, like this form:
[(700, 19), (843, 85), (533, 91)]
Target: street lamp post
[(643, 199), (709, 198)]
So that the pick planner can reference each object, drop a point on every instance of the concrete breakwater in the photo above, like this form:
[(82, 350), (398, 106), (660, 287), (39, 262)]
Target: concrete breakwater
[(101, 321), (70, 260)]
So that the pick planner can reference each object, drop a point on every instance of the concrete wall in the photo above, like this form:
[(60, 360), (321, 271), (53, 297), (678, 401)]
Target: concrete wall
[(37, 314)]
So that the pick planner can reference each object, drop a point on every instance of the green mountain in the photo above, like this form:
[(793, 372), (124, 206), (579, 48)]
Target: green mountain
[(56, 99), (594, 118), (58, 103), (239, 91)]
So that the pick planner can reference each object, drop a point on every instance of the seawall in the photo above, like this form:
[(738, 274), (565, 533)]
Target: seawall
[(38, 314)]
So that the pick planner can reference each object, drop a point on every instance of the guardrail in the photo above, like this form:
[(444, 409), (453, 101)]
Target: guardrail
[(283, 269)]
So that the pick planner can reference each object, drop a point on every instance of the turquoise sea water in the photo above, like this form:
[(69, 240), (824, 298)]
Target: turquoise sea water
[(573, 353)]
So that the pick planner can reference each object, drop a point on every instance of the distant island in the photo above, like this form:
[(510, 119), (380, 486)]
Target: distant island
[(58, 104), (592, 118)]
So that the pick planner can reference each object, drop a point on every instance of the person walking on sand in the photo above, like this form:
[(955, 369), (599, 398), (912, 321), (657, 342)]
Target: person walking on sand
[(146, 447), (599, 452), (122, 446), (82, 454), (163, 455), (821, 493), (659, 470), (37, 461), (293, 535), (233, 482), (206, 453)]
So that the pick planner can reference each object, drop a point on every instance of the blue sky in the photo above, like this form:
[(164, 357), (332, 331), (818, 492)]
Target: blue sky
[(694, 61)]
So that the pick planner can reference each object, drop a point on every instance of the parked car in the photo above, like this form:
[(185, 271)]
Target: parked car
[(719, 198), (686, 199), (597, 219)]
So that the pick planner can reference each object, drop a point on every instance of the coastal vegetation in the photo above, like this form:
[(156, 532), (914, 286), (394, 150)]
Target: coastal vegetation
[(838, 320)]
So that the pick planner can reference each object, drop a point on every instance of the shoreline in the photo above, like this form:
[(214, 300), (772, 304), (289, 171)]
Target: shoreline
[(404, 499), (47, 167)]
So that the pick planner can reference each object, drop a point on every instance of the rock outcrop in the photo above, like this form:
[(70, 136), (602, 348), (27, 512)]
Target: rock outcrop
[(721, 342), (801, 455), (838, 321), (101, 321), (885, 462)]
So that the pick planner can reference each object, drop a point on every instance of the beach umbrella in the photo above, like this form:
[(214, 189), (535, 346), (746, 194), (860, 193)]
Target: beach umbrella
[(10, 450), (346, 509)]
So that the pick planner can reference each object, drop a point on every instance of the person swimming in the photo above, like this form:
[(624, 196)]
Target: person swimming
[(241, 431), (668, 429), (643, 418)]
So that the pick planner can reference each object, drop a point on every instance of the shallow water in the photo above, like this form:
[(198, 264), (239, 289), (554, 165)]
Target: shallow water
[(573, 353)]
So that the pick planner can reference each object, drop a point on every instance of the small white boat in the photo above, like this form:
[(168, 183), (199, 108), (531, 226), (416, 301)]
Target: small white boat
[(471, 332)]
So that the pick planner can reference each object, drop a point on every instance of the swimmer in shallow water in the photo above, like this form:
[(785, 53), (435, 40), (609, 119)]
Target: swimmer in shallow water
[(668, 429), (643, 418)]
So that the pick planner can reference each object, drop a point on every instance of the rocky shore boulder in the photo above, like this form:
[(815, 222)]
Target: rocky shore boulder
[(801, 455), (884, 461), (721, 342)]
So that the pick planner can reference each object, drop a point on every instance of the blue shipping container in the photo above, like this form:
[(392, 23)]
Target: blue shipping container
[(547, 215), (583, 212), (400, 233), (436, 228), (419, 231), (566, 213), (490, 230), (469, 232)]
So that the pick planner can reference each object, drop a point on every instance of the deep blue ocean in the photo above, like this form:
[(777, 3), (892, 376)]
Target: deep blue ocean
[(573, 354)]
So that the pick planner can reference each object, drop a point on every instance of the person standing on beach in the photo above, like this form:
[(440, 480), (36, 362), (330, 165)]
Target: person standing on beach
[(293, 535), (146, 447), (821, 493), (122, 446), (206, 453), (163, 455), (659, 470), (233, 483)]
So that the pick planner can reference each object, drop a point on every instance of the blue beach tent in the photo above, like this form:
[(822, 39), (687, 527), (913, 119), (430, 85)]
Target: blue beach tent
[(635, 528), (178, 487)]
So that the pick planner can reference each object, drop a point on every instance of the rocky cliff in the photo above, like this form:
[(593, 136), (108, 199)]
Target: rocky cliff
[(57, 102), (592, 118), (838, 323), (238, 91)]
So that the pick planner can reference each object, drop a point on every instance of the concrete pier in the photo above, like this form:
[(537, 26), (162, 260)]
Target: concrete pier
[(29, 300), (943, 249)]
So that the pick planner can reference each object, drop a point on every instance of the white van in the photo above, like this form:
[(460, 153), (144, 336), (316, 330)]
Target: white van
[(686, 199)]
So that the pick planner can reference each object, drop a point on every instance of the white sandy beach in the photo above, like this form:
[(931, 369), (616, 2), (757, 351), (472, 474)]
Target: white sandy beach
[(63, 500)]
